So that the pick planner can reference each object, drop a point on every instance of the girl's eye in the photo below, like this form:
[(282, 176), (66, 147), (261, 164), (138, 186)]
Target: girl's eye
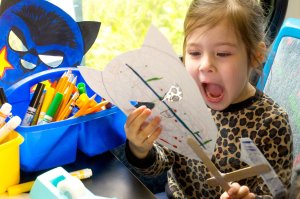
[(223, 54), (195, 53)]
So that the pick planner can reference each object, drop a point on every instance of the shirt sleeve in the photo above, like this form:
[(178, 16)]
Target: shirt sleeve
[(158, 160)]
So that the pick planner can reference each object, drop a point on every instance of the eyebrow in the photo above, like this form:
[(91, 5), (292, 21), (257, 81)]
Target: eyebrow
[(195, 44)]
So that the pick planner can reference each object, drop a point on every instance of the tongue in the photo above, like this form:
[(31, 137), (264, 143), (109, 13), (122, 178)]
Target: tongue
[(214, 90)]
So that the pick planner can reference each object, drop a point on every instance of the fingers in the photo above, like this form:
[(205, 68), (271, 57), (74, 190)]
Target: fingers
[(139, 130), (238, 192)]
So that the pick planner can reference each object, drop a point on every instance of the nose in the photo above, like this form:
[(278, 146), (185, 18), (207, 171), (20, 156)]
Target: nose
[(206, 63)]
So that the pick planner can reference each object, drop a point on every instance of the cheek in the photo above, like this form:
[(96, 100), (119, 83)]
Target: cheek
[(192, 71)]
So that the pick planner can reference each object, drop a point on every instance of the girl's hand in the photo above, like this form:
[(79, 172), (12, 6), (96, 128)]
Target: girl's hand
[(141, 134), (238, 192)]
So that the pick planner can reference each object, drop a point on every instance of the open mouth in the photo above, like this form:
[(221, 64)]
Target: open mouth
[(214, 92)]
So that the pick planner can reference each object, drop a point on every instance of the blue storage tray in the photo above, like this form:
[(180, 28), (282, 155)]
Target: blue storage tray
[(55, 144)]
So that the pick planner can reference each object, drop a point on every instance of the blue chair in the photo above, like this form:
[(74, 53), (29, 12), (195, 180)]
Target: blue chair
[(281, 77)]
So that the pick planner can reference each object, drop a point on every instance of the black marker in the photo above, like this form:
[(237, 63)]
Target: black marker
[(3, 98), (34, 103)]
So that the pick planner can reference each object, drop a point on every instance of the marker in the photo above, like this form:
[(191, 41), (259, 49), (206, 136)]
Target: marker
[(13, 123), (81, 87), (38, 111), (46, 103), (52, 108), (26, 187), (3, 98), (34, 103), (4, 112)]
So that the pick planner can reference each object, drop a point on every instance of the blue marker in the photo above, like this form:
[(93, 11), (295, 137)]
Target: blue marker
[(34, 103)]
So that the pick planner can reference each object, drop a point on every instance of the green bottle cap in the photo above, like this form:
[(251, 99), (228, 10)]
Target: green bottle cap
[(81, 87), (54, 104)]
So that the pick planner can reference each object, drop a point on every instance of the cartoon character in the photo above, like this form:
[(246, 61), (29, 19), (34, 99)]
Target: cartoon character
[(36, 36)]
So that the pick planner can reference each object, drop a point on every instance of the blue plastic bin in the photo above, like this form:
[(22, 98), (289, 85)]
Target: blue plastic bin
[(55, 144)]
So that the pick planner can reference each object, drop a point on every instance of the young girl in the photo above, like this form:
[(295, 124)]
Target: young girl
[(223, 43)]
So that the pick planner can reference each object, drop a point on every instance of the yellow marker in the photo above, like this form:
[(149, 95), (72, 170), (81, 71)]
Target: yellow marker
[(26, 187), (47, 101)]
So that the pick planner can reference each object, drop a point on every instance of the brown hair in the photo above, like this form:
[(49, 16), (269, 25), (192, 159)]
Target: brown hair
[(246, 16)]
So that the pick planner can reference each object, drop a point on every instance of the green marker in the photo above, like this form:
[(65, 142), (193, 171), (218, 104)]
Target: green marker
[(81, 88), (52, 108)]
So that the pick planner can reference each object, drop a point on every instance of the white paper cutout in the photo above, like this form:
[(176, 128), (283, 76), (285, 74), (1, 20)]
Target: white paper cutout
[(147, 75), (253, 156)]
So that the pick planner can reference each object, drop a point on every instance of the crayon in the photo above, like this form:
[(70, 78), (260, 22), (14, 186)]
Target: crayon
[(52, 108), (34, 102)]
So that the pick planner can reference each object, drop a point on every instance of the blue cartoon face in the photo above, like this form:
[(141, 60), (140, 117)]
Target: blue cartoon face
[(35, 36)]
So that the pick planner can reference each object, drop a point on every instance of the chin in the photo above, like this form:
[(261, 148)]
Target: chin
[(220, 106)]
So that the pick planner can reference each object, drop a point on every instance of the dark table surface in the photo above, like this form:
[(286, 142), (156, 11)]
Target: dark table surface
[(111, 178)]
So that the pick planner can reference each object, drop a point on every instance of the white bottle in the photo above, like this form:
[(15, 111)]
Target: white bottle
[(4, 112), (13, 123)]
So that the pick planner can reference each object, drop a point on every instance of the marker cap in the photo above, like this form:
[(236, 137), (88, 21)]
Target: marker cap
[(81, 87), (54, 104)]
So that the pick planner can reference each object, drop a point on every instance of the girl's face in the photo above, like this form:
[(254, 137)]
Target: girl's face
[(218, 62)]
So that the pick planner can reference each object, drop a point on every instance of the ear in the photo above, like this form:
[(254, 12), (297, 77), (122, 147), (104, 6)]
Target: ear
[(89, 31), (5, 4), (260, 54)]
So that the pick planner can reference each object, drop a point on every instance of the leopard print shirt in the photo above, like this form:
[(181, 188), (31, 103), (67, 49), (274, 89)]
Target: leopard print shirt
[(258, 118)]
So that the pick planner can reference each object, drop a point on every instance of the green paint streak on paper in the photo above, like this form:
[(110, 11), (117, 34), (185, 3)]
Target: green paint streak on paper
[(154, 79)]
